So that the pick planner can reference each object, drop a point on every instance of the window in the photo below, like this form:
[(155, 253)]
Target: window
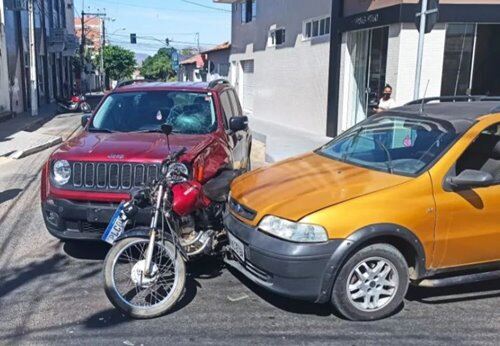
[(188, 113), (395, 144), (248, 10), (277, 37), (227, 107), (483, 154), (316, 27)]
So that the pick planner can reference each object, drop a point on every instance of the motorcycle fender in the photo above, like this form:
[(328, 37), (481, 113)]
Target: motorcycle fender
[(139, 232)]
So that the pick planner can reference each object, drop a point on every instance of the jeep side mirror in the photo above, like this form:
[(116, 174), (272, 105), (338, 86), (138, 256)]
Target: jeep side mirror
[(470, 179), (86, 119), (166, 129), (238, 123)]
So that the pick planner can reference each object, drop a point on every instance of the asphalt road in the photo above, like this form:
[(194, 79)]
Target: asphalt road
[(52, 293)]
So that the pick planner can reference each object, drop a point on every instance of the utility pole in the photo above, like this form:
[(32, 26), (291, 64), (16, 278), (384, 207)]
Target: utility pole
[(420, 53), (82, 51), (198, 42), (33, 71), (103, 44), (83, 41)]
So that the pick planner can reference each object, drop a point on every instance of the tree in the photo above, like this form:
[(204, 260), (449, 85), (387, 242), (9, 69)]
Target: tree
[(119, 63), (159, 66)]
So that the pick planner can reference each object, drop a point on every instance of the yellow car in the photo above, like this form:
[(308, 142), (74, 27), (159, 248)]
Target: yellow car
[(409, 195)]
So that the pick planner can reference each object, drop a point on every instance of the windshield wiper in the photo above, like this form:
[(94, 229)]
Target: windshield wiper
[(357, 135), (93, 129)]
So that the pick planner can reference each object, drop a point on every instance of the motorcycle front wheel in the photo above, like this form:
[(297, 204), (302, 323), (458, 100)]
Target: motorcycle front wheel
[(132, 291)]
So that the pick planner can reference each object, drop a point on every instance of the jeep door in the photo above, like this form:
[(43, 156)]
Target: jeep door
[(238, 141), (468, 226)]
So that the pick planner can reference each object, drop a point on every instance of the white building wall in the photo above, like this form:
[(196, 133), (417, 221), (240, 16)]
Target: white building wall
[(291, 85), (291, 81), (402, 61), (4, 72)]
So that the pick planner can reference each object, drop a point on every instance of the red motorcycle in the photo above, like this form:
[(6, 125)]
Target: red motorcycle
[(144, 272)]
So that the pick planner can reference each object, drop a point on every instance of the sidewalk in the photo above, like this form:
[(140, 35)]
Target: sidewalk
[(19, 136), (26, 122), (283, 142)]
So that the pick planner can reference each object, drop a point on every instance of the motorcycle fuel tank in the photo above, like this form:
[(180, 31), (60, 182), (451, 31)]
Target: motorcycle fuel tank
[(187, 197)]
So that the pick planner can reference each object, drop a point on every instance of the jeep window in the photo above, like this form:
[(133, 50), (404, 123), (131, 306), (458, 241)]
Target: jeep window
[(226, 106), (399, 145), (188, 113)]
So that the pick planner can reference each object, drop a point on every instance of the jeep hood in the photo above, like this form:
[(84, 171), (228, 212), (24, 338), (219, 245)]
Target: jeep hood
[(297, 187), (129, 147)]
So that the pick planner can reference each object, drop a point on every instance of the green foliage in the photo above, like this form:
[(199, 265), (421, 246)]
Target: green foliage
[(119, 62), (159, 66)]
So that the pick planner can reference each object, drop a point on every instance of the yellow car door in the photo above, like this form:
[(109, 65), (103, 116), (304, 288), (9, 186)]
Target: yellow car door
[(468, 216)]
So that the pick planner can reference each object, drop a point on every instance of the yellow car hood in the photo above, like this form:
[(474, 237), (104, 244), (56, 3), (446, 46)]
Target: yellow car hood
[(300, 186)]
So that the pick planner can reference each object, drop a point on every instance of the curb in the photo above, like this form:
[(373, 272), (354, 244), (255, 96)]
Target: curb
[(263, 139), (23, 153)]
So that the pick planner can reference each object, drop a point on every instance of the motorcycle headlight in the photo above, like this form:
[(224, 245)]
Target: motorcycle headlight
[(62, 172), (177, 172), (293, 231)]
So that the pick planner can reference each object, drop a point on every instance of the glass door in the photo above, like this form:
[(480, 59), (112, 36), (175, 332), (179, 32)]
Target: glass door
[(368, 62)]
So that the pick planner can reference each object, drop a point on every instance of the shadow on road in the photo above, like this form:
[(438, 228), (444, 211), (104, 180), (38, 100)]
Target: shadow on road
[(454, 294), (88, 250), (8, 195), (284, 303)]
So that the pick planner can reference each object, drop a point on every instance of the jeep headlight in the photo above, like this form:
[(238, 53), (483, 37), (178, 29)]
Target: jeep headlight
[(62, 172), (293, 231)]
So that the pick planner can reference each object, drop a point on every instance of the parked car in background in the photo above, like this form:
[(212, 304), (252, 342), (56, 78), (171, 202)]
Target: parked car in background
[(122, 147), (409, 195)]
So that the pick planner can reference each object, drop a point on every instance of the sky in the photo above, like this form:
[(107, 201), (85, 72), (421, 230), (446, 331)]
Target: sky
[(155, 20)]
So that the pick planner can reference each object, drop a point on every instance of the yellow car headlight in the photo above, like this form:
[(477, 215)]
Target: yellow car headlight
[(293, 231)]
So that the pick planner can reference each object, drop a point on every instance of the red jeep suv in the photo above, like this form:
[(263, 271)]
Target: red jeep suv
[(122, 147)]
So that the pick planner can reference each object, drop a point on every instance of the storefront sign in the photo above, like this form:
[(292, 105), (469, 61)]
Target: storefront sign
[(366, 19)]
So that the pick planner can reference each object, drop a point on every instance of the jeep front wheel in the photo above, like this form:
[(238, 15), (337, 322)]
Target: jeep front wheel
[(372, 283)]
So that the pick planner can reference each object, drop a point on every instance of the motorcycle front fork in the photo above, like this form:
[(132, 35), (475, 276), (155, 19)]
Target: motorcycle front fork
[(152, 235)]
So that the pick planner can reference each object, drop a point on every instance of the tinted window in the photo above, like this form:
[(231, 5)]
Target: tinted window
[(398, 145), (236, 103), (226, 106), (188, 113)]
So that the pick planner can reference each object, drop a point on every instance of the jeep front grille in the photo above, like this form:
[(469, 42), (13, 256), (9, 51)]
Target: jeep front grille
[(111, 176)]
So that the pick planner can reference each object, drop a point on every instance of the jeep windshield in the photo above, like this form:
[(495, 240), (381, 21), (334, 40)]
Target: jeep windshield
[(187, 112), (396, 144)]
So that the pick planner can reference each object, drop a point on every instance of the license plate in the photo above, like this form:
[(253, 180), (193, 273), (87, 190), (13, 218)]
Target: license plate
[(237, 246), (115, 228)]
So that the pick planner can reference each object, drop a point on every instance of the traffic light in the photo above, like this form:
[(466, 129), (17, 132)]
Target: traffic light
[(167, 42), (133, 38)]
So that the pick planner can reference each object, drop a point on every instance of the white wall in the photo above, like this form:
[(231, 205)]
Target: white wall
[(291, 85), (402, 61)]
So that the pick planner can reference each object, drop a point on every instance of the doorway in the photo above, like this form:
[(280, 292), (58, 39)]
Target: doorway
[(367, 50)]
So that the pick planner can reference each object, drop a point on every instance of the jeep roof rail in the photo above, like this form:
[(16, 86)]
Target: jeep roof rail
[(133, 81), (216, 82), (461, 98)]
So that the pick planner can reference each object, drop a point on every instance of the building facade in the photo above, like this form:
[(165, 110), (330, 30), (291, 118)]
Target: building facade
[(376, 43), (321, 65), (279, 60), (55, 46)]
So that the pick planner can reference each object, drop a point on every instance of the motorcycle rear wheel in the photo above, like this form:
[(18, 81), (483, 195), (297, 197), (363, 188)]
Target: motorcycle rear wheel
[(136, 294), (85, 107)]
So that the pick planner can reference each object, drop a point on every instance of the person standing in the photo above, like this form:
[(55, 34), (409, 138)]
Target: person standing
[(386, 102)]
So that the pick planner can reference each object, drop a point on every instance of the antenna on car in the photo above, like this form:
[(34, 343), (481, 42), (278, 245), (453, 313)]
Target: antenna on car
[(423, 100)]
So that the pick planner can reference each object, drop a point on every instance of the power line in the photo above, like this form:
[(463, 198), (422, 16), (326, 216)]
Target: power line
[(206, 6), (161, 8)]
